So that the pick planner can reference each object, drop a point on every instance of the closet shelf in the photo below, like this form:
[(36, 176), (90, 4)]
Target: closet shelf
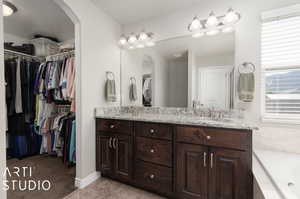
[(62, 54)]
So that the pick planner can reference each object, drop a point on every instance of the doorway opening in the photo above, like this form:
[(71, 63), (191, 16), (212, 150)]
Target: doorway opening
[(40, 74)]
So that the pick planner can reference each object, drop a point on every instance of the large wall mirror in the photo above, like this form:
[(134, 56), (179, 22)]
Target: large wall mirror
[(180, 72)]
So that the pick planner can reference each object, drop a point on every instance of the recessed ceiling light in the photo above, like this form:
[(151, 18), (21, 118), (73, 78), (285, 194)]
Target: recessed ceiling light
[(8, 8)]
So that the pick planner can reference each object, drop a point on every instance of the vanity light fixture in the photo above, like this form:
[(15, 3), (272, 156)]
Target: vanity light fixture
[(227, 29), (198, 34), (213, 32), (143, 36), (140, 46), (213, 25), (134, 41), (231, 17), (123, 40), (132, 38), (8, 8), (195, 25), (212, 20)]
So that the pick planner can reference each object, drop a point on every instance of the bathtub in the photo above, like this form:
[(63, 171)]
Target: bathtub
[(284, 171)]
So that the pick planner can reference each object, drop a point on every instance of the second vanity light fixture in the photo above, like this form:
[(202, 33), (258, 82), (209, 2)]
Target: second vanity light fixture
[(133, 41), (214, 24)]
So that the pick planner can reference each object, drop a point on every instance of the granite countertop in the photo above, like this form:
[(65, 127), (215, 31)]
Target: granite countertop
[(184, 120)]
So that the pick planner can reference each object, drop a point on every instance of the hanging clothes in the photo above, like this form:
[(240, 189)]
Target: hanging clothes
[(20, 105)]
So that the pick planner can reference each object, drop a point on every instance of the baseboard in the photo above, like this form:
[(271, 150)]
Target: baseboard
[(82, 183)]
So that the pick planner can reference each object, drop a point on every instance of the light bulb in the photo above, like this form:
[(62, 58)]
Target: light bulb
[(227, 29), (143, 36), (212, 20), (123, 40), (198, 34), (132, 38), (195, 25), (212, 32), (230, 17)]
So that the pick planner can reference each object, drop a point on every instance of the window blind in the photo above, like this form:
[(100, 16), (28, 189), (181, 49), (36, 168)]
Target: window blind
[(281, 43), (280, 59)]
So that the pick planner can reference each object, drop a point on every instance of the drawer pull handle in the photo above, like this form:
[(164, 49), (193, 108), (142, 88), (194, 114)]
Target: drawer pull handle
[(152, 131), (152, 176), (109, 144), (211, 160), (204, 159), (152, 151), (115, 143), (112, 126), (208, 137)]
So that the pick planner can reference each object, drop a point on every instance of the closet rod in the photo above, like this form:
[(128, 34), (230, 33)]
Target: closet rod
[(63, 53), (21, 54)]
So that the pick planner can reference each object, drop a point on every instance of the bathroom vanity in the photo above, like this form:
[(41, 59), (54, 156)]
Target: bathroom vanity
[(176, 159)]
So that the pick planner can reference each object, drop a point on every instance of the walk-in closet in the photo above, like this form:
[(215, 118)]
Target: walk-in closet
[(40, 100)]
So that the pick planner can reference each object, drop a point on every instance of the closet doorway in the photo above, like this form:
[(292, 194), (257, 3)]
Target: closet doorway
[(40, 100)]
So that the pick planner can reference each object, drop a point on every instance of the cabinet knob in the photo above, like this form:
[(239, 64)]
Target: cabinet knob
[(208, 137), (152, 176), (152, 151), (112, 126), (152, 131)]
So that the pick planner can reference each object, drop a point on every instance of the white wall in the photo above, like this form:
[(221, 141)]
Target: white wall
[(226, 59), (15, 39), (247, 48), (177, 82), (99, 53)]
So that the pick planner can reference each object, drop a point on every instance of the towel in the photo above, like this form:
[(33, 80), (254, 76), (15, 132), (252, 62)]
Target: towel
[(110, 90), (147, 89), (246, 87), (133, 92)]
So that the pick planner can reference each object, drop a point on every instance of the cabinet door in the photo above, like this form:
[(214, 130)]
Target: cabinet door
[(191, 171), (123, 157), (227, 174), (104, 155)]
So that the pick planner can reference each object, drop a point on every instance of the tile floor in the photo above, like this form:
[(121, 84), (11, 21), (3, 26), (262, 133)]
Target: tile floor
[(108, 189)]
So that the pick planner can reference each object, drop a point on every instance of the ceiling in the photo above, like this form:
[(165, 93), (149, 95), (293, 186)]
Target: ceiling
[(39, 17), (204, 46), (133, 11)]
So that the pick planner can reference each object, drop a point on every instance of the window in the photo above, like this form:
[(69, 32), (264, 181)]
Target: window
[(280, 61)]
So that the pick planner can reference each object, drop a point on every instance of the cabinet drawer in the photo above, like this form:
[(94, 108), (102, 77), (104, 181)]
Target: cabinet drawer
[(154, 177), (161, 131), (193, 135), (155, 151), (118, 126), (226, 138)]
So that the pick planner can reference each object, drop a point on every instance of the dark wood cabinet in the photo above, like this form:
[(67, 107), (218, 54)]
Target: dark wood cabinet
[(191, 171), (123, 157), (227, 174), (114, 154), (176, 161), (104, 154)]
